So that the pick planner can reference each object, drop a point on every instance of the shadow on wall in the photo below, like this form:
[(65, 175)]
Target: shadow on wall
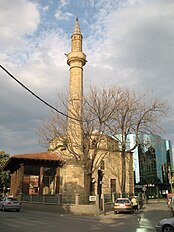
[(48, 208), (69, 192)]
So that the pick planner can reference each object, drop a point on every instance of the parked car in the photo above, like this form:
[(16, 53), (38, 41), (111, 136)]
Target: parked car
[(10, 203), (165, 225), (123, 205)]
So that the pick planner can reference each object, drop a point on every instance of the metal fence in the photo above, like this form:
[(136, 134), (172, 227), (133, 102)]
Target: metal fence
[(105, 202), (58, 199)]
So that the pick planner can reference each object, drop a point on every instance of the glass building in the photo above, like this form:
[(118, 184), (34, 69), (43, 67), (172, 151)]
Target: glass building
[(153, 163)]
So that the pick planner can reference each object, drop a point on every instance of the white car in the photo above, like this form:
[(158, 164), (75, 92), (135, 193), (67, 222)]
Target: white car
[(10, 203), (165, 225), (123, 205)]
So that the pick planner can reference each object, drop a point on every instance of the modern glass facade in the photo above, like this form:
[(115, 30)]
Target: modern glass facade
[(153, 163)]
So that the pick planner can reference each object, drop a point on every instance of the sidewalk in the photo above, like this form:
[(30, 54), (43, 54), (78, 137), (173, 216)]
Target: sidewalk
[(112, 216), (148, 207)]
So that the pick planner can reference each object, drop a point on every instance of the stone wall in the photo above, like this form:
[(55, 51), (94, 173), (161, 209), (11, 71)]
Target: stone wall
[(63, 209), (72, 175)]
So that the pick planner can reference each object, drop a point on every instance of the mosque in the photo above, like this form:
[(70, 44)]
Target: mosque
[(63, 169), (106, 175)]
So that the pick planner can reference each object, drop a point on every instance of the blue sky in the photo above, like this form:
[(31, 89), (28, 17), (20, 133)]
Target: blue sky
[(127, 42)]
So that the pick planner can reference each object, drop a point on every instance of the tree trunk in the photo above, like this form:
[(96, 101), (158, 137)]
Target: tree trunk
[(87, 186), (123, 184)]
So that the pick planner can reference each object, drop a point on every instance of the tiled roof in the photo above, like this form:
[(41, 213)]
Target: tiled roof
[(38, 156), (14, 160)]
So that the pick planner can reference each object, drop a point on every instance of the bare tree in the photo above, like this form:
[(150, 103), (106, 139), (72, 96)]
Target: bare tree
[(113, 112), (80, 138), (137, 114)]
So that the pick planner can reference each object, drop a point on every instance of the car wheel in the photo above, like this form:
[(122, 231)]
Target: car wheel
[(167, 228), (17, 210)]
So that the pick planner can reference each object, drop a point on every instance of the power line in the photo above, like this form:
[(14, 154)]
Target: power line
[(40, 99)]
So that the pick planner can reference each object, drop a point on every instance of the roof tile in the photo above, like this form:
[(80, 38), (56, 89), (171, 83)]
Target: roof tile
[(38, 156)]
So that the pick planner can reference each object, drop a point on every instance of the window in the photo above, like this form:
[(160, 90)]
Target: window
[(102, 165), (113, 185)]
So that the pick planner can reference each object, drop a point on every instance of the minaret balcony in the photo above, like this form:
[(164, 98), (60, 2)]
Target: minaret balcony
[(76, 56)]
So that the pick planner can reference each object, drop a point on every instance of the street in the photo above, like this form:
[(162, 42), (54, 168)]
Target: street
[(27, 221)]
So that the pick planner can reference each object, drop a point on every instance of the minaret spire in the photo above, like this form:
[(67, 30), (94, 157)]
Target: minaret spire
[(76, 28), (76, 38)]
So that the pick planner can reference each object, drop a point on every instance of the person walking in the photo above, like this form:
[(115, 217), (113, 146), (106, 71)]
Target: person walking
[(134, 204), (141, 203)]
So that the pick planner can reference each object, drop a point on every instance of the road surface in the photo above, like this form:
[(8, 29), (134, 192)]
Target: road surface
[(33, 221)]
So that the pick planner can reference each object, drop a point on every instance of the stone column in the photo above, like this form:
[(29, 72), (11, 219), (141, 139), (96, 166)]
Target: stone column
[(77, 199), (59, 199)]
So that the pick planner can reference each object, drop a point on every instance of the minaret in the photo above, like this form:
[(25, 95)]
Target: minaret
[(76, 59)]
